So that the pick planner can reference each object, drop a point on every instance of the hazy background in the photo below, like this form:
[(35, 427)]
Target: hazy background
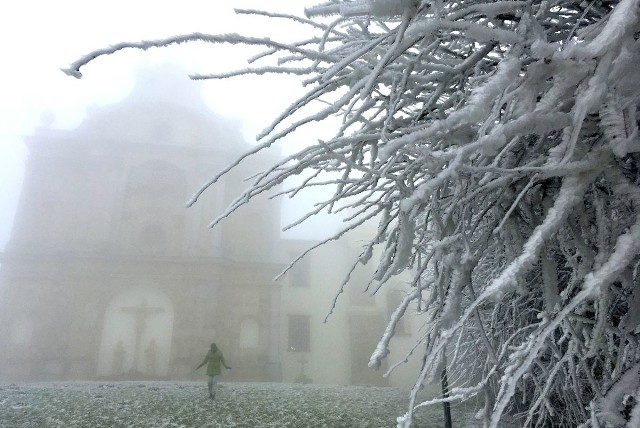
[(39, 38)]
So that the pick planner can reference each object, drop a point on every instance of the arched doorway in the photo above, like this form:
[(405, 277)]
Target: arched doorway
[(136, 337)]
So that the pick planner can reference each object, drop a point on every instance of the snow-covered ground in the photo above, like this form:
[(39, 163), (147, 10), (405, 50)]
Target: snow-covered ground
[(185, 404)]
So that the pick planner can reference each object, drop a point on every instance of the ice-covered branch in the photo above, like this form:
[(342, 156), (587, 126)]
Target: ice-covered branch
[(496, 143), (232, 39)]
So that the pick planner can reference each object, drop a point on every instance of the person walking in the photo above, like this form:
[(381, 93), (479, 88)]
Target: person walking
[(213, 360)]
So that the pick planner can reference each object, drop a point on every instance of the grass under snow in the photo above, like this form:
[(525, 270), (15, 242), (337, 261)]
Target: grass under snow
[(185, 404)]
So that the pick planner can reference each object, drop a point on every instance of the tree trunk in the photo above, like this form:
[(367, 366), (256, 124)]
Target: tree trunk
[(445, 393)]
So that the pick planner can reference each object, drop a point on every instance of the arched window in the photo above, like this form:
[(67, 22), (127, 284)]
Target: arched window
[(152, 220)]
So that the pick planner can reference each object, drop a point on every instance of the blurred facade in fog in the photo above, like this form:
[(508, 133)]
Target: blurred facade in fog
[(108, 276)]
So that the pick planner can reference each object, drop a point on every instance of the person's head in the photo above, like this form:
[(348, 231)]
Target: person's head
[(214, 346)]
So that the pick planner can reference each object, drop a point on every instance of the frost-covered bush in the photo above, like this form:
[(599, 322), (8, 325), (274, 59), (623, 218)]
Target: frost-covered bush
[(496, 142)]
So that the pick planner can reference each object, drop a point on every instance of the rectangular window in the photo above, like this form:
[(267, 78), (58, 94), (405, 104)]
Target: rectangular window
[(299, 273), (299, 333)]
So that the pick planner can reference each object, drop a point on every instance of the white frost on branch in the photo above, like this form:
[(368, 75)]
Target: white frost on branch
[(497, 144)]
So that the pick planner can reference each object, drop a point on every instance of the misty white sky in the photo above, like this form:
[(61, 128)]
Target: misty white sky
[(39, 37)]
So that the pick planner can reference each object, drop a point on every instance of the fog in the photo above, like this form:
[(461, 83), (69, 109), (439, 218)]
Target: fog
[(36, 92), (107, 276)]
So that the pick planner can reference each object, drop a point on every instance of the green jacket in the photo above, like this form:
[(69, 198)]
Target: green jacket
[(213, 361)]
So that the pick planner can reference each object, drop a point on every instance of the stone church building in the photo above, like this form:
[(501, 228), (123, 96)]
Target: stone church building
[(108, 276)]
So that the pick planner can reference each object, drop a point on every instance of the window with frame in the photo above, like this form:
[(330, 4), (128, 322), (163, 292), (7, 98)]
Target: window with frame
[(299, 327)]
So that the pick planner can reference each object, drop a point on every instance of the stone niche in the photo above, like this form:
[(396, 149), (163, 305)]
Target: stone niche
[(136, 337)]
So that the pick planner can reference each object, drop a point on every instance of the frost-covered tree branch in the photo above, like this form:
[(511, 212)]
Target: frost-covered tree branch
[(497, 145)]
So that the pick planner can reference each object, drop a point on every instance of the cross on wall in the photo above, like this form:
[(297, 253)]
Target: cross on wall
[(140, 313)]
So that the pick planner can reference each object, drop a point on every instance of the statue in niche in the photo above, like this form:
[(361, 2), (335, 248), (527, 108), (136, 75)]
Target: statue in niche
[(151, 357), (140, 314), (118, 359)]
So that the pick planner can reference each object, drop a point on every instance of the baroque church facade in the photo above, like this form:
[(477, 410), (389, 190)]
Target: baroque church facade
[(108, 276)]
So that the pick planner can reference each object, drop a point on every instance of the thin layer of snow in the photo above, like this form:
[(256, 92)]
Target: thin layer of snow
[(186, 405)]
